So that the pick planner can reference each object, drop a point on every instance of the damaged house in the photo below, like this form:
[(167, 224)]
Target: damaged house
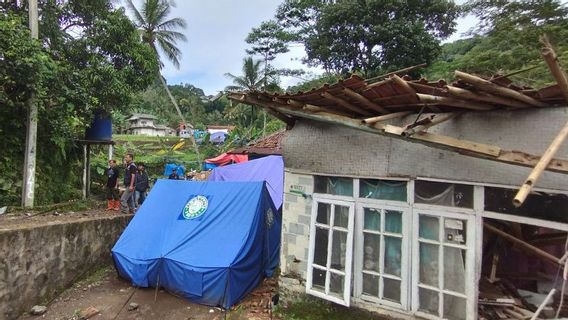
[(399, 196)]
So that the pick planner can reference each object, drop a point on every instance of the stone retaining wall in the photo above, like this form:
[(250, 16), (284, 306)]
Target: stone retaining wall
[(38, 262)]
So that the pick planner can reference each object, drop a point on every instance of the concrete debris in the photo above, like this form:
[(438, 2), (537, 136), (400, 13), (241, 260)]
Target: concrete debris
[(133, 306), (38, 310)]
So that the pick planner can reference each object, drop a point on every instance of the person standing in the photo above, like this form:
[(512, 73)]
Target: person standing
[(142, 185), (111, 172), (127, 199)]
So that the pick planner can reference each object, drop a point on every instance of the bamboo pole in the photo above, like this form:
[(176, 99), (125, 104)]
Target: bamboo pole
[(479, 96), (437, 120), (543, 304), (539, 252), (550, 57), (402, 83), (363, 100), (396, 72), (426, 98), (497, 89), (389, 116), (345, 104)]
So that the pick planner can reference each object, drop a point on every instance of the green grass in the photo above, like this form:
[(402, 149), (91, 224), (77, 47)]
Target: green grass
[(308, 308), (140, 138)]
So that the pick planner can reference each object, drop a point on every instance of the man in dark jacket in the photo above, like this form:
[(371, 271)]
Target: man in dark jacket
[(142, 184), (112, 186), (127, 199)]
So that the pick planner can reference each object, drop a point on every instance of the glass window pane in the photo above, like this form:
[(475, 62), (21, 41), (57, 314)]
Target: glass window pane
[(372, 219), (338, 250), (391, 289), (455, 231), (336, 284), (454, 269), (341, 218), (320, 250), (454, 307), (371, 285), (429, 264), (443, 194), (333, 185), (428, 301), (324, 213), (428, 227), (393, 221), (372, 245), (393, 247), (318, 279), (382, 189)]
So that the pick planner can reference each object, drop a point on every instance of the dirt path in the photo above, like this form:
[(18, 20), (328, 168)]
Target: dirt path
[(111, 296)]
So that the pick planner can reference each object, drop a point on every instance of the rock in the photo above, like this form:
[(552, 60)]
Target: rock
[(133, 306), (88, 313), (3, 210), (38, 310), (211, 310), (56, 213)]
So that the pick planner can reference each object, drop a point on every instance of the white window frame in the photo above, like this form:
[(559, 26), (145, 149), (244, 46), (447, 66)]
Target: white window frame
[(359, 253), (470, 266), (347, 275)]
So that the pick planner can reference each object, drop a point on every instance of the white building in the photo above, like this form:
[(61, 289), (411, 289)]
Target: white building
[(143, 124)]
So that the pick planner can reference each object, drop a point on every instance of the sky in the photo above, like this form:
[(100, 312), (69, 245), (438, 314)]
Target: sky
[(216, 44)]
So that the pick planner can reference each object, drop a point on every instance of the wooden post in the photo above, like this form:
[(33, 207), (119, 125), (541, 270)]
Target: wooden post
[(88, 167), (28, 185), (539, 252), (84, 171), (550, 57), (110, 151)]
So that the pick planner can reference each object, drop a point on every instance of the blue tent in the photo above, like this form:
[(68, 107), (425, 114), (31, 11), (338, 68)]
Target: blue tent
[(269, 169), (169, 168), (210, 242)]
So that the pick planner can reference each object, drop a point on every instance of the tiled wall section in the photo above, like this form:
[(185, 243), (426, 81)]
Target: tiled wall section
[(298, 189)]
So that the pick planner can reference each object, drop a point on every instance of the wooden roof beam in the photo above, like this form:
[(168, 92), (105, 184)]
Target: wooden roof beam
[(411, 130), (366, 102), (426, 98), (345, 104), (491, 87)]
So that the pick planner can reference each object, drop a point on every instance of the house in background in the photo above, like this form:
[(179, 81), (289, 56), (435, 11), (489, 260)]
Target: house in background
[(395, 204), (270, 145), (144, 124)]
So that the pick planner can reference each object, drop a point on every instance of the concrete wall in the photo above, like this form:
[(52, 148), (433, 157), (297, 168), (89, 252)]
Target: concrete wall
[(335, 150), (38, 262)]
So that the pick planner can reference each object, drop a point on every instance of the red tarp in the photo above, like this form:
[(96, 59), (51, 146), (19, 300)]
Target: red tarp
[(225, 158)]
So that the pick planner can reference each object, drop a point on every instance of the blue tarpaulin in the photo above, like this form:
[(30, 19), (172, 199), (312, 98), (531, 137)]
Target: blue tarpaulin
[(269, 169), (169, 168), (210, 242)]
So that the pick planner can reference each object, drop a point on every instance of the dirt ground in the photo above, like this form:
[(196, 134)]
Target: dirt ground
[(112, 296)]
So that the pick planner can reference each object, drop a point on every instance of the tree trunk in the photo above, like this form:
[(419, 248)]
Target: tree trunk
[(195, 146)]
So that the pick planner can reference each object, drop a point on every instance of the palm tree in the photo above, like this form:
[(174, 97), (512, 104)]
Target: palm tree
[(252, 79), (160, 31)]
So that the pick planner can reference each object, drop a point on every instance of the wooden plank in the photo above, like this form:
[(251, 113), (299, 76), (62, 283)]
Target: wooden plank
[(464, 147), (481, 96), (426, 98), (363, 100), (491, 87), (345, 104), (389, 116)]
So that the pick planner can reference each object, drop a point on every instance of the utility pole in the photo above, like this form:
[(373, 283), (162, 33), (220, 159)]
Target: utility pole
[(28, 188)]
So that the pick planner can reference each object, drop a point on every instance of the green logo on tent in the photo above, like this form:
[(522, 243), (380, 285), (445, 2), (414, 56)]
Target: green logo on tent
[(195, 207)]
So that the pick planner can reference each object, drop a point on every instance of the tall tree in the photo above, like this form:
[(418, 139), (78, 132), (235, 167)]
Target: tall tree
[(161, 33), (367, 36)]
